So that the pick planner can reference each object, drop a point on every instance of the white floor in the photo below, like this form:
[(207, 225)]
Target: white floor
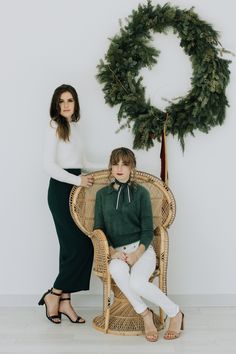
[(209, 330)]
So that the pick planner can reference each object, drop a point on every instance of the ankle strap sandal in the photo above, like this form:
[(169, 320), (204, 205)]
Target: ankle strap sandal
[(51, 318)]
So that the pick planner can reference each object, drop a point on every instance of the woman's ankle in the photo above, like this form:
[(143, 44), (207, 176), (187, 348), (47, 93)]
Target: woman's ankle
[(56, 292), (145, 312)]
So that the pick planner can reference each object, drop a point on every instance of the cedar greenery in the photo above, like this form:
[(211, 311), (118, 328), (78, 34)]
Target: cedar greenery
[(204, 105)]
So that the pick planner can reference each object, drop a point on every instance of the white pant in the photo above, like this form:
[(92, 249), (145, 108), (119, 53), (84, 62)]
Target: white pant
[(134, 281)]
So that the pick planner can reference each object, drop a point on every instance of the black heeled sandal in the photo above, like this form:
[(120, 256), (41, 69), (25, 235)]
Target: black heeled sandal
[(42, 302), (79, 319)]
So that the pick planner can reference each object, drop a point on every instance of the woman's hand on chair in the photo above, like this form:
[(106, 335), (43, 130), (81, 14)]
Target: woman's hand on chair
[(87, 180)]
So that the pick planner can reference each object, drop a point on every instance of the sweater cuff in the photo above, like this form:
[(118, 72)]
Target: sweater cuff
[(73, 179), (146, 244)]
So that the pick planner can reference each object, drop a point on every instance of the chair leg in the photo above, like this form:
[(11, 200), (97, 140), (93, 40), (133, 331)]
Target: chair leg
[(107, 301), (163, 259), (163, 288)]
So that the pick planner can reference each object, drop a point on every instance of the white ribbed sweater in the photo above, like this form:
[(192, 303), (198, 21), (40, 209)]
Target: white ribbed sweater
[(59, 154)]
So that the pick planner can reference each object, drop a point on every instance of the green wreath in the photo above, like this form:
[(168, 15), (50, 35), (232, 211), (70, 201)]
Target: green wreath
[(204, 105)]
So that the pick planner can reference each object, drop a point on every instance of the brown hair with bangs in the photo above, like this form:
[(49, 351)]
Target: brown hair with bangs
[(123, 154)]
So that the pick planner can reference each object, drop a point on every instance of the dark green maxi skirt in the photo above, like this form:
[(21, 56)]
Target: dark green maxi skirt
[(76, 249)]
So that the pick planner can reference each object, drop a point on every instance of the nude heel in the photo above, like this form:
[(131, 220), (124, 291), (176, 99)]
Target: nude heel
[(170, 334), (182, 323), (151, 336)]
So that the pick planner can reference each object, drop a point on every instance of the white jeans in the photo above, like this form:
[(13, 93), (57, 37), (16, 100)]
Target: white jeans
[(134, 281)]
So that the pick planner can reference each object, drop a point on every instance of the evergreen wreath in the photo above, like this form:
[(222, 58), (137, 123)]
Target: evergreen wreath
[(202, 108)]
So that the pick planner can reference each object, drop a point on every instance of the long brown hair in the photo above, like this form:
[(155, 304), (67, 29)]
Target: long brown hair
[(127, 156), (63, 126)]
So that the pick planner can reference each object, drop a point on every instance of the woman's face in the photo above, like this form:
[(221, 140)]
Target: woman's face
[(67, 105), (121, 171)]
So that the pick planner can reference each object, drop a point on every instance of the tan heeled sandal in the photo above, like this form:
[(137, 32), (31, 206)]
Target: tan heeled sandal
[(151, 336), (170, 334)]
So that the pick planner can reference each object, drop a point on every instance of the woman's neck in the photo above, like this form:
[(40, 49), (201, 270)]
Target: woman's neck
[(119, 184)]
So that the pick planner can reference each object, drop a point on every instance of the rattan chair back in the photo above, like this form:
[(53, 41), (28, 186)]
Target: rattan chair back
[(82, 200)]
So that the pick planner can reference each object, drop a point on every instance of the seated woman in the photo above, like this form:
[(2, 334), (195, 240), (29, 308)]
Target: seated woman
[(123, 211)]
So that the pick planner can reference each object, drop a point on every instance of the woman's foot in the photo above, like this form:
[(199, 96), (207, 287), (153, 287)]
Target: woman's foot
[(65, 308), (175, 326), (151, 333), (51, 301)]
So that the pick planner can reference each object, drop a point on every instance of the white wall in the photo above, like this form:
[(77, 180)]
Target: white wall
[(47, 43)]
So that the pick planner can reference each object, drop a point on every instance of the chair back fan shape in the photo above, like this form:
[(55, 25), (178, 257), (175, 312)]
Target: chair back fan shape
[(118, 316)]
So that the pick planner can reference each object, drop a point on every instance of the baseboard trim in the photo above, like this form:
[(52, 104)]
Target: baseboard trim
[(204, 300), (83, 300), (91, 300)]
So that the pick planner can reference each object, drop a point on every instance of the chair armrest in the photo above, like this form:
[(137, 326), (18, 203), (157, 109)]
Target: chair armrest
[(101, 253), (160, 243), (161, 247)]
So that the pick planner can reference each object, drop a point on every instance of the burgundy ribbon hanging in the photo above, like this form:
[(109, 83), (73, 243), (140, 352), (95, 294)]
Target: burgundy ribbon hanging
[(163, 155)]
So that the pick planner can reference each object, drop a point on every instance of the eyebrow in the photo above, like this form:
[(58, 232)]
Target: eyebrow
[(66, 99)]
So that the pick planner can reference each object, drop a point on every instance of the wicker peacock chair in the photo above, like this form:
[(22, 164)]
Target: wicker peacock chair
[(119, 317)]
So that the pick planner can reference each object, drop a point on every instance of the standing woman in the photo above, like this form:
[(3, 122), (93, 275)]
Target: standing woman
[(63, 161)]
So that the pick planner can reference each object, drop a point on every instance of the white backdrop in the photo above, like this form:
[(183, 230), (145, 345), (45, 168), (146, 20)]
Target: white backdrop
[(46, 43)]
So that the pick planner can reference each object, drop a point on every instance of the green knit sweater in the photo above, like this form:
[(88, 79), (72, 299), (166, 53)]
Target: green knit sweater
[(131, 222)]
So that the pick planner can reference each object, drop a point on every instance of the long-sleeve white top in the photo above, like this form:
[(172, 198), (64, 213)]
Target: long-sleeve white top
[(60, 155)]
